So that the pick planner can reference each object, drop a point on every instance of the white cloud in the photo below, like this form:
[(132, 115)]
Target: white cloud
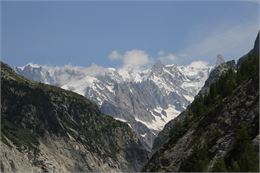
[(133, 58), (161, 53), (232, 42), (115, 55), (170, 57), (167, 58), (182, 55), (252, 1), (199, 64), (93, 70), (139, 58)]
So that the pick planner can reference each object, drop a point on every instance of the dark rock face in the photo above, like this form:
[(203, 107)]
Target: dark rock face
[(219, 130), (45, 128)]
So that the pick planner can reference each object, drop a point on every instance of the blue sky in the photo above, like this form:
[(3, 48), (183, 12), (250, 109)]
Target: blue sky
[(108, 33)]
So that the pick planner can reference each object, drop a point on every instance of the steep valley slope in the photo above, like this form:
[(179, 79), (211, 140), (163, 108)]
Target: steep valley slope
[(219, 131), (45, 128)]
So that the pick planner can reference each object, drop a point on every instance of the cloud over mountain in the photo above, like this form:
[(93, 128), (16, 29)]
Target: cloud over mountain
[(133, 58)]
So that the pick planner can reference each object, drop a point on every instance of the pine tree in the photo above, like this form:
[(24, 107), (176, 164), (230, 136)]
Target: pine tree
[(219, 166)]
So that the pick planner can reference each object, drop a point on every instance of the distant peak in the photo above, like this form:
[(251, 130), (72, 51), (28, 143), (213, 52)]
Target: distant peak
[(29, 67), (219, 60), (32, 65), (158, 65)]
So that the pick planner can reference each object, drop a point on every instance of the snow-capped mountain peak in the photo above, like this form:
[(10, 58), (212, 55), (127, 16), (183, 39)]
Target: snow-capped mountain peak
[(144, 98), (158, 66)]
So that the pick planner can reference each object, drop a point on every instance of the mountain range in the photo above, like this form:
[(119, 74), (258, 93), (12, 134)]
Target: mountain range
[(146, 99), (167, 118)]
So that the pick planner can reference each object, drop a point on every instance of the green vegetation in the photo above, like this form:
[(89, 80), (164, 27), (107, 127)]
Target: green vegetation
[(198, 160), (19, 136), (198, 107), (178, 130), (226, 85), (222, 88), (244, 156), (249, 68), (220, 166)]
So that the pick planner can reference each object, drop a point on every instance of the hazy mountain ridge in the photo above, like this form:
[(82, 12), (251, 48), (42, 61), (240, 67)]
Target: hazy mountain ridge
[(145, 99), (45, 128)]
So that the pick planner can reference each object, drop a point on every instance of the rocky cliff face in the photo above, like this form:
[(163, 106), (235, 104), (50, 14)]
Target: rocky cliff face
[(45, 128), (219, 131), (145, 99)]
